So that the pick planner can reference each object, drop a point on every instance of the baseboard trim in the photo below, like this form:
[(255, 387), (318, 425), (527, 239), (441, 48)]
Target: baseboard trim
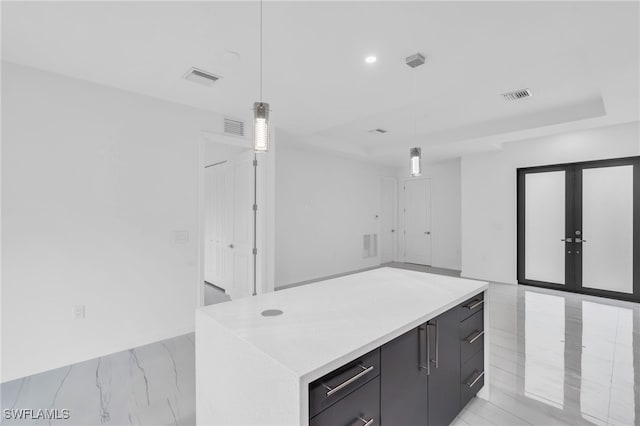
[(328, 277), (215, 286)]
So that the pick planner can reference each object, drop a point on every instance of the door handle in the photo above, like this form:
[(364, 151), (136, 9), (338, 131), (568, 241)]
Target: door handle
[(578, 240), (427, 233), (568, 240), (230, 245)]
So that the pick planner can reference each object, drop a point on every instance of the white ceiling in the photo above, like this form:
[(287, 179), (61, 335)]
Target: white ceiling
[(580, 59)]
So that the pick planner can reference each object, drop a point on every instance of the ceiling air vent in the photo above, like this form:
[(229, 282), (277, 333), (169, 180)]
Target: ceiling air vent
[(415, 60), (381, 131), (202, 77), (233, 127), (517, 94)]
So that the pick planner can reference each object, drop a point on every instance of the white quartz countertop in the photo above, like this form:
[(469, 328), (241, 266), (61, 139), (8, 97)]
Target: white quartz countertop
[(329, 323)]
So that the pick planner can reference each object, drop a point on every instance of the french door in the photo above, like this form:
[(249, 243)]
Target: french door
[(579, 227)]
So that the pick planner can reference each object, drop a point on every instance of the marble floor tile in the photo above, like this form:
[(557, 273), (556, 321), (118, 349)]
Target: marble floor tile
[(149, 385)]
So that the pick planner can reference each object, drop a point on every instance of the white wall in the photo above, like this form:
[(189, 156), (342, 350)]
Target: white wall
[(489, 191), (325, 203), (94, 182), (445, 213)]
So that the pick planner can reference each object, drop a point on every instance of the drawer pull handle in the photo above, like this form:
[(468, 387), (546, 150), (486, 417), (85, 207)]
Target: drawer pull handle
[(366, 422), (478, 377), (475, 336), (364, 372), (471, 306), (423, 364)]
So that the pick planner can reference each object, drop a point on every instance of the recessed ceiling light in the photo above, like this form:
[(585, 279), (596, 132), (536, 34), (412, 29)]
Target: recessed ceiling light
[(370, 59)]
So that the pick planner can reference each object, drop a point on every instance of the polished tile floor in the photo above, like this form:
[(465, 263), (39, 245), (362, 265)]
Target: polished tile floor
[(556, 359), (559, 358)]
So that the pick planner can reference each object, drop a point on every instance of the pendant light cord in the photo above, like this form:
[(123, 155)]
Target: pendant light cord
[(260, 51), (415, 102)]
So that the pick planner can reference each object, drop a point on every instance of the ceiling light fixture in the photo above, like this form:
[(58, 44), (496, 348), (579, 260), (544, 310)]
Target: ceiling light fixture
[(261, 111), (370, 59), (414, 161), (415, 154), (260, 144)]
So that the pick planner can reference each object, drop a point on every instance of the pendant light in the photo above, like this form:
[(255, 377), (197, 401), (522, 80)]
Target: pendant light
[(261, 111), (415, 154), (414, 162)]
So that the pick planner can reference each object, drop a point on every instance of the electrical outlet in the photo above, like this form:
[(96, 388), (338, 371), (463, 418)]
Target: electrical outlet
[(77, 312)]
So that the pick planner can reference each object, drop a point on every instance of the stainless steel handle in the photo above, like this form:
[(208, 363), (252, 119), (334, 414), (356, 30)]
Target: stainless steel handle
[(475, 336), (428, 362), (422, 363), (366, 422), (436, 361), (364, 372), (567, 240), (471, 306), (470, 384), (578, 240)]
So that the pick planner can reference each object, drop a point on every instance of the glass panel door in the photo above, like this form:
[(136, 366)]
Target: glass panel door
[(545, 226), (607, 224), (579, 227)]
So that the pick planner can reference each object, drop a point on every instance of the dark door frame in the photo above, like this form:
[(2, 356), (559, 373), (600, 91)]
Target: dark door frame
[(573, 199)]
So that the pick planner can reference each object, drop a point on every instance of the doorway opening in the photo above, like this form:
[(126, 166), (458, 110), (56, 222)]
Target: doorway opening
[(417, 221), (579, 227), (388, 222), (229, 181)]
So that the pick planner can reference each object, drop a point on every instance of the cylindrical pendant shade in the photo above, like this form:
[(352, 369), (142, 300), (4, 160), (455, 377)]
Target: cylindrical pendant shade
[(261, 127), (415, 167)]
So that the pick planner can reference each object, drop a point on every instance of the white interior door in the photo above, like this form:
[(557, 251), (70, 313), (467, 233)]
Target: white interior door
[(241, 259), (209, 238), (417, 221), (217, 224), (388, 209)]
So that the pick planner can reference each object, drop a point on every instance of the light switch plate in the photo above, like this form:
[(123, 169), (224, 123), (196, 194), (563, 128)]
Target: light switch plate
[(77, 312), (180, 237)]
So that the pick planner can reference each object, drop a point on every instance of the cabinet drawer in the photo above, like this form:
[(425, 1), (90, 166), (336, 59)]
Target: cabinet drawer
[(471, 306), (471, 335), (471, 377), (360, 407), (331, 388)]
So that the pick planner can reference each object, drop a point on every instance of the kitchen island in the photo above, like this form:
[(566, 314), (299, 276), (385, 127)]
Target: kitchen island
[(331, 341)]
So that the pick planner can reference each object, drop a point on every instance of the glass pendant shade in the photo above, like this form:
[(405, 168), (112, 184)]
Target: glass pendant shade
[(261, 127), (415, 154)]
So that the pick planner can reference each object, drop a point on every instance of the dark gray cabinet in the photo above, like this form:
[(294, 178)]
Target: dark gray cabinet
[(361, 407), (341, 382), (403, 379), (444, 371), (421, 378)]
